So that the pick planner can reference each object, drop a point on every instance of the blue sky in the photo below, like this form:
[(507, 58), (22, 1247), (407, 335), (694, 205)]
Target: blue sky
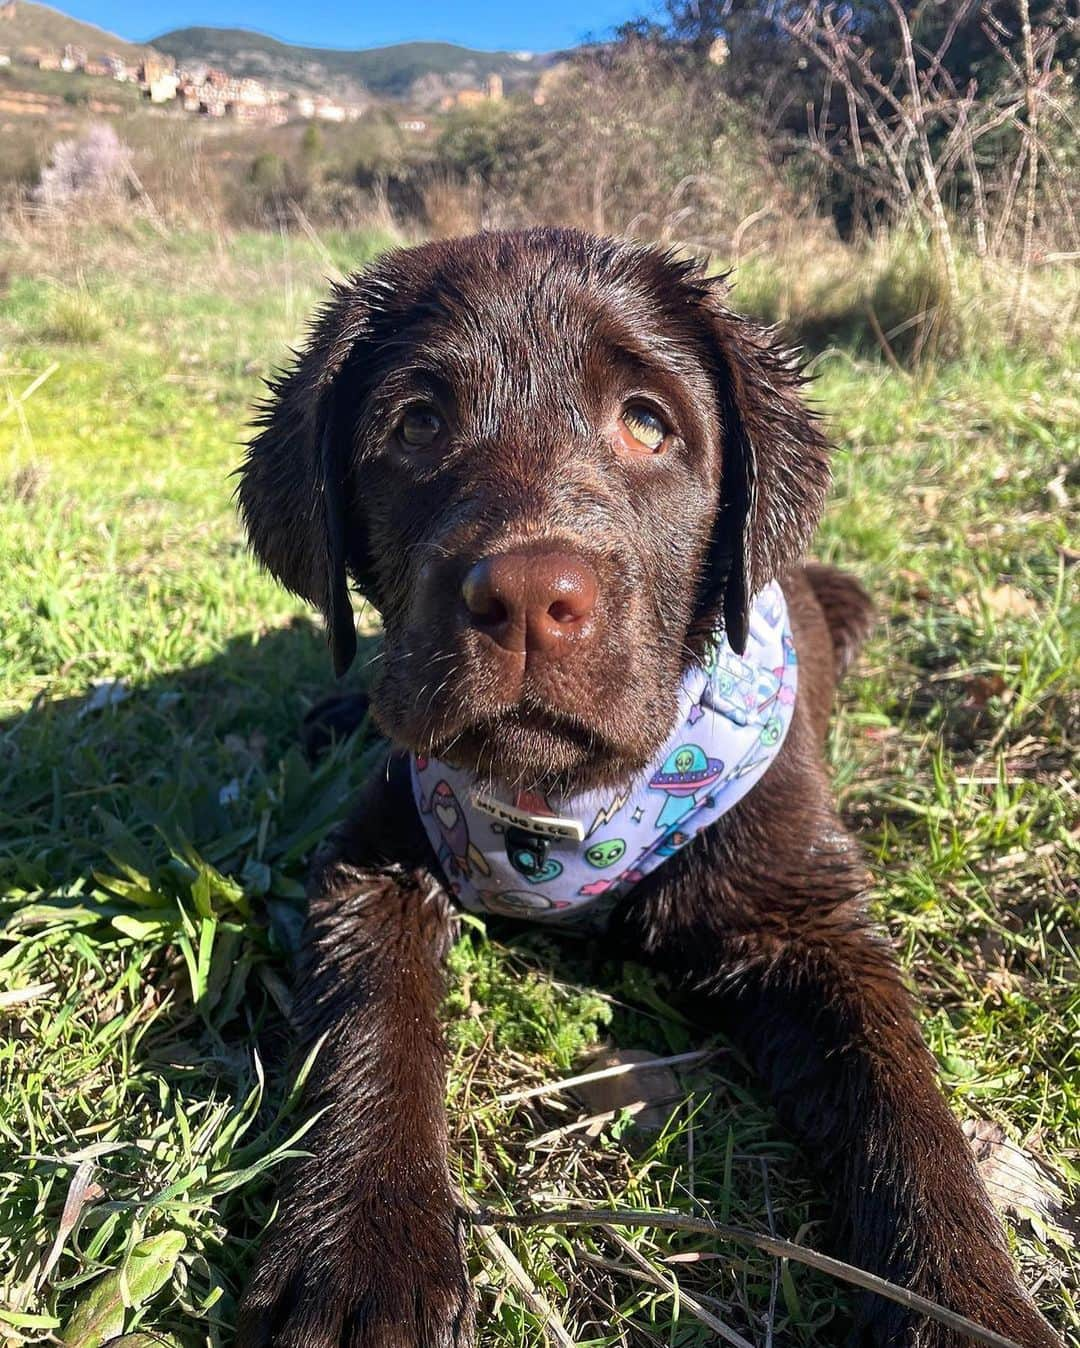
[(491, 24)]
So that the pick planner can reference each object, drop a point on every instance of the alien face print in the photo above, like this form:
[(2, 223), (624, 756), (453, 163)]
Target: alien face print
[(604, 854), (528, 854)]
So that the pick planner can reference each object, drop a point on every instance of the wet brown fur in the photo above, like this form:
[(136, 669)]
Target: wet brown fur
[(529, 339)]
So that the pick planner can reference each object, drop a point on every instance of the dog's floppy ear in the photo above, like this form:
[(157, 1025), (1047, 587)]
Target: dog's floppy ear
[(774, 466), (337, 609), (295, 481)]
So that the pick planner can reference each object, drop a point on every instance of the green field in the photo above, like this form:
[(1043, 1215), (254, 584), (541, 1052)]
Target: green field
[(154, 833)]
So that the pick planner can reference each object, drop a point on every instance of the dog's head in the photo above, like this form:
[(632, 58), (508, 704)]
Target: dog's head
[(554, 463)]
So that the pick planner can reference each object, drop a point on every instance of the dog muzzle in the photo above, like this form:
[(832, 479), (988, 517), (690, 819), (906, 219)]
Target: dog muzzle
[(571, 859)]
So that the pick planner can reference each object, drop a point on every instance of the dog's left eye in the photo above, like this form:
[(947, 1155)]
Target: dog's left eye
[(641, 430), (420, 426)]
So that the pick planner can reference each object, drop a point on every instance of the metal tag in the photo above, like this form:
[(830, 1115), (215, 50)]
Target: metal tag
[(544, 825)]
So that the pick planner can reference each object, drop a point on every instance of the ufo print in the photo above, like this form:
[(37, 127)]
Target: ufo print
[(686, 771)]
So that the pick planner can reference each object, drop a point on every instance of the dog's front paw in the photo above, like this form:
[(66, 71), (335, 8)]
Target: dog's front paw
[(385, 1288)]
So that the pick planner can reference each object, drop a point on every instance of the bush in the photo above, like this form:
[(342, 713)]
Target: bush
[(74, 318), (634, 138), (312, 143), (97, 164), (892, 297), (268, 173)]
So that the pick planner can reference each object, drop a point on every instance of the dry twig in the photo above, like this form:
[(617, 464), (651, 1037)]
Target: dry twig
[(534, 1298), (568, 1083), (784, 1249)]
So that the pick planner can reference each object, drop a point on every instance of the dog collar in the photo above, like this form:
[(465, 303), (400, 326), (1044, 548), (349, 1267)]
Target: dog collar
[(569, 859)]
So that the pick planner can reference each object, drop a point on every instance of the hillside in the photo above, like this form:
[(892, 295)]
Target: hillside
[(41, 26), (392, 72)]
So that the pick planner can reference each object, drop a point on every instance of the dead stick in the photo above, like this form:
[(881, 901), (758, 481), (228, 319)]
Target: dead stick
[(883, 342), (658, 1279), (619, 1070), (784, 1249), (553, 1327)]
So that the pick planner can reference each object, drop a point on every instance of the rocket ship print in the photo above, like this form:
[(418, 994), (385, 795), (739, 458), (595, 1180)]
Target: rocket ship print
[(456, 853)]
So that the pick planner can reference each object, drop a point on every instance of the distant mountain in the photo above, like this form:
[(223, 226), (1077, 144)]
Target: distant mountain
[(398, 71), (40, 26)]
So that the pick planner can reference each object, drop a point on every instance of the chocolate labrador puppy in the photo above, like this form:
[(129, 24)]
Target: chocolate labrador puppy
[(577, 488)]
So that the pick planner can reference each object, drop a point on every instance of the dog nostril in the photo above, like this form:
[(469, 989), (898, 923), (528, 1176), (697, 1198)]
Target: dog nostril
[(562, 611), (568, 592), (479, 591), (492, 614)]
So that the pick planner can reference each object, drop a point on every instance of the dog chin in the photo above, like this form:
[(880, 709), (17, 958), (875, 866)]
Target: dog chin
[(522, 750)]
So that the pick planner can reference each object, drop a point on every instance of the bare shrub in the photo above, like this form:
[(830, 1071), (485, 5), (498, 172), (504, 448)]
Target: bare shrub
[(453, 206), (632, 138), (910, 140), (186, 186)]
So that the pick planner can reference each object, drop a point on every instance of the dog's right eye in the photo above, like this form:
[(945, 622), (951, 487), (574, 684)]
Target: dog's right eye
[(420, 427)]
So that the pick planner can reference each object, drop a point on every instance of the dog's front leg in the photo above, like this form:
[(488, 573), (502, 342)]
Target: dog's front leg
[(825, 1019), (366, 1248), (776, 936)]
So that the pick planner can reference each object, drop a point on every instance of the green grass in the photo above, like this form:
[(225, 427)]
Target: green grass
[(893, 297), (154, 839)]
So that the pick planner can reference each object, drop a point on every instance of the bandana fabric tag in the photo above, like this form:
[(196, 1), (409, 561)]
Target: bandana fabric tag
[(570, 859)]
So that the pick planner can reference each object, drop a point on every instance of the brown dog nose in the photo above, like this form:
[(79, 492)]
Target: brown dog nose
[(541, 601)]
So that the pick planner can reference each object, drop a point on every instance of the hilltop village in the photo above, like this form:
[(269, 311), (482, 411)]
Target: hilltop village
[(202, 90)]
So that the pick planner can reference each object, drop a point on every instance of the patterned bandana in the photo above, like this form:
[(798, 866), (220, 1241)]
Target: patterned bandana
[(570, 859)]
